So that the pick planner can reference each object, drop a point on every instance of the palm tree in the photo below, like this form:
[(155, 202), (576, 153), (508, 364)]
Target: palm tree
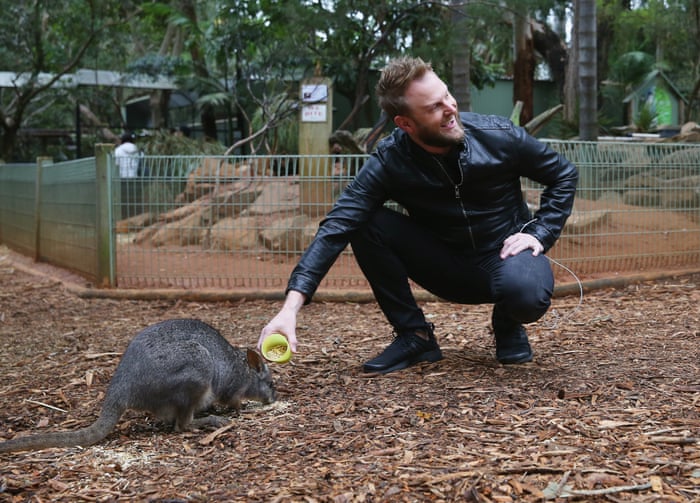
[(588, 103), (461, 78)]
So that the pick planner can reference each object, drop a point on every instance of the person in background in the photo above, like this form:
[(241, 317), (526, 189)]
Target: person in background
[(127, 156), (466, 234)]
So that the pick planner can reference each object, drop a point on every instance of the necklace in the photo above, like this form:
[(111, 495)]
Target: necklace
[(461, 177), (458, 195)]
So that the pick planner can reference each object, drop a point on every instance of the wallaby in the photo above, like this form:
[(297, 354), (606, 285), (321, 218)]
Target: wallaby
[(172, 369)]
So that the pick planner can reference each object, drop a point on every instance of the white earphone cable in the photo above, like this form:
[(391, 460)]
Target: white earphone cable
[(576, 278)]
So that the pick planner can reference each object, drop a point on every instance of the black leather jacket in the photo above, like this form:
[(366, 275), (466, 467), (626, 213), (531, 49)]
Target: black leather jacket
[(479, 215)]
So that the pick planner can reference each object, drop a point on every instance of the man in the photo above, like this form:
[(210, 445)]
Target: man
[(466, 236)]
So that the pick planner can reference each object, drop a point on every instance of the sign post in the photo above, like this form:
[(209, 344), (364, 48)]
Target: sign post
[(315, 127)]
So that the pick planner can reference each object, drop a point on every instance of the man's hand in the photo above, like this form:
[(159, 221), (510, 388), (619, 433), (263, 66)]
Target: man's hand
[(518, 242), (285, 322)]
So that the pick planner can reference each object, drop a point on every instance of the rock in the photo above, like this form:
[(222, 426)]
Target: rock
[(584, 221), (292, 233), (235, 200), (689, 127), (136, 222), (648, 190), (212, 173), (278, 196), (235, 234), (184, 232)]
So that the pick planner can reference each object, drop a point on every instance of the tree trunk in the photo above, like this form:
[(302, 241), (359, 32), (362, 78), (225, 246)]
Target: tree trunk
[(588, 88), (159, 101), (553, 49), (207, 114), (171, 45), (571, 81), (524, 66), (693, 101), (7, 143), (461, 79), (361, 95)]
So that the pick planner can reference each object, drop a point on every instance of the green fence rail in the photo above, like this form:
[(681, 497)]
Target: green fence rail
[(48, 211), (18, 222), (241, 223)]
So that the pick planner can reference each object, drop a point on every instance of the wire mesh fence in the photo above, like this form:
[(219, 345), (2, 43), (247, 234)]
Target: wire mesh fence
[(242, 223), (637, 208), (230, 223), (18, 206), (48, 211)]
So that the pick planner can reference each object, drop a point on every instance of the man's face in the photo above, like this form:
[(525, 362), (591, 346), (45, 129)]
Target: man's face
[(432, 119)]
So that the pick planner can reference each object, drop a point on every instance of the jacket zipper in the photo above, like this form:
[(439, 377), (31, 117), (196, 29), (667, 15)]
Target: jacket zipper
[(458, 196)]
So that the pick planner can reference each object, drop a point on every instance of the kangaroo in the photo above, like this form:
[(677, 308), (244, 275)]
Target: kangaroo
[(172, 369)]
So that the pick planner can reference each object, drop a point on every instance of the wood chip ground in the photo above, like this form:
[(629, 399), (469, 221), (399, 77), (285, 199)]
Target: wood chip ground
[(608, 411)]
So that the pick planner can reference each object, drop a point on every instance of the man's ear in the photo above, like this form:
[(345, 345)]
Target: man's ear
[(404, 123)]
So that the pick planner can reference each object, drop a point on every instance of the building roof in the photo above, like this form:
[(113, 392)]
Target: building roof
[(653, 75), (89, 77)]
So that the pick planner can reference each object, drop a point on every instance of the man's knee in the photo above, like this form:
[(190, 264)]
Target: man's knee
[(526, 297), (525, 305)]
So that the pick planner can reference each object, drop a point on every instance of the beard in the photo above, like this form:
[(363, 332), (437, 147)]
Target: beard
[(439, 138)]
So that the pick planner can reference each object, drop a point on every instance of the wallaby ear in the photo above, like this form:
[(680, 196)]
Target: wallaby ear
[(255, 360)]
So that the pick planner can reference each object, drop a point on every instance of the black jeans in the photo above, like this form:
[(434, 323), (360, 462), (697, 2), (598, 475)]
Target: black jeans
[(392, 249)]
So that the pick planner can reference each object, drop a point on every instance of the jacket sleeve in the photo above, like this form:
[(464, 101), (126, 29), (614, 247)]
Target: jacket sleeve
[(559, 177), (364, 195)]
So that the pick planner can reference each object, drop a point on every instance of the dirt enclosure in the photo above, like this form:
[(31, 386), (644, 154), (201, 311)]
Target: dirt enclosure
[(608, 411)]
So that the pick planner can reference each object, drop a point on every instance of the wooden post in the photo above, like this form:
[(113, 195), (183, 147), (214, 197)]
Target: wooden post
[(105, 193), (315, 127)]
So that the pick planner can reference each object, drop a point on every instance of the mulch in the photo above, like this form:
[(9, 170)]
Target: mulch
[(608, 411)]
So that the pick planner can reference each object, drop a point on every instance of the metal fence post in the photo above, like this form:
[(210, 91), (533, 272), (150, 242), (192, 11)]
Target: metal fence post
[(40, 163), (104, 233)]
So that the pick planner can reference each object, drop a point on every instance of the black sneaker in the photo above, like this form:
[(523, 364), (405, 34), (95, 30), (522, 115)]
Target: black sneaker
[(405, 350), (512, 345), (515, 348)]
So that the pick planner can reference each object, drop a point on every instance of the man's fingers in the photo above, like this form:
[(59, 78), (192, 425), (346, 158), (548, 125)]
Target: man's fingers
[(519, 242)]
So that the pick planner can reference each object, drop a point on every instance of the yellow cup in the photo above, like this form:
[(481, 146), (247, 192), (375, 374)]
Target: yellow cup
[(275, 348)]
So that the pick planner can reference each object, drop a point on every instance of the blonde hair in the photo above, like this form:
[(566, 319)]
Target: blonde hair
[(395, 79)]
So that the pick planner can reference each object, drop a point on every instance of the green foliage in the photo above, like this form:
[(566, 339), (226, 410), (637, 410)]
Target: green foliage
[(669, 30), (166, 143), (284, 137), (484, 73), (646, 119), (236, 54), (631, 68)]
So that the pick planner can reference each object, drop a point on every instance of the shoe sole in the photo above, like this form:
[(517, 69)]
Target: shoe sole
[(430, 356), (525, 358)]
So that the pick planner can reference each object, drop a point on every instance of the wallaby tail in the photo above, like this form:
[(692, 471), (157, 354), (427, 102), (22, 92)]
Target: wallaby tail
[(83, 437)]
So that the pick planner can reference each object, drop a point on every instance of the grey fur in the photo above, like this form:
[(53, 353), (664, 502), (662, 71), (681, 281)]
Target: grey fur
[(172, 369)]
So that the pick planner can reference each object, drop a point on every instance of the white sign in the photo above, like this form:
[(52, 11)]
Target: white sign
[(313, 113), (314, 93)]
